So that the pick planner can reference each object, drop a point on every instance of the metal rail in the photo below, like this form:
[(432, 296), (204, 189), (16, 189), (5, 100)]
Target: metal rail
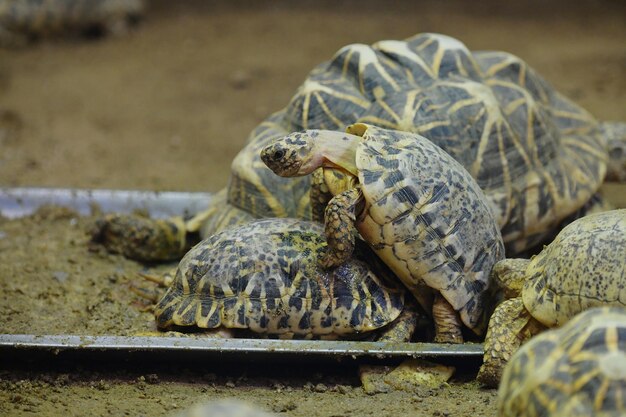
[(18, 202), (221, 346)]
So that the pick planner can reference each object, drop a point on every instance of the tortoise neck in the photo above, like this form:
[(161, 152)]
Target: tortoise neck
[(338, 149)]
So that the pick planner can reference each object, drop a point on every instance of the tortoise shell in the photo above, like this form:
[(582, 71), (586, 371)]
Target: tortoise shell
[(427, 219), (584, 267), (577, 370), (264, 276), (537, 156)]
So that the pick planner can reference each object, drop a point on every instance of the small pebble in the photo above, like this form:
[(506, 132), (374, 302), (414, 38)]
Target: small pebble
[(60, 276), (321, 388)]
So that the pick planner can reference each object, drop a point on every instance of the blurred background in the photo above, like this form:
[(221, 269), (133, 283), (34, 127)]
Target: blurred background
[(168, 105)]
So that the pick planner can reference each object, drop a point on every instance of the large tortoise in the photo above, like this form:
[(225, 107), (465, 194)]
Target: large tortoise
[(538, 156), (578, 370), (264, 277), (584, 267), (23, 20), (418, 208)]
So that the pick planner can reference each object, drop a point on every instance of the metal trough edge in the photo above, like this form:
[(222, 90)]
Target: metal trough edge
[(244, 346), (18, 202)]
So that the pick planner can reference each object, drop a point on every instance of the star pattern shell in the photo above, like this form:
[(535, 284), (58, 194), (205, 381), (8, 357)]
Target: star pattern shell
[(577, 370), (428, 220), (584, 267), (264, 276)]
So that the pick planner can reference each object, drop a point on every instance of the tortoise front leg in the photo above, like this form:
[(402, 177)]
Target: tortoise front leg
[(320, 195), (339, 219), (447, 322), (510, 326)]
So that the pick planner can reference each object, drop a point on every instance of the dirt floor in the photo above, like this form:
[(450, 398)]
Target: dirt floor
[(167, 108)]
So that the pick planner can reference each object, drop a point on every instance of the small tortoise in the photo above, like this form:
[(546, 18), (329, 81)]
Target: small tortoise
[(537, 156), (23, 20), (418, 208), (265, 277), (578, 370), (584, 267)]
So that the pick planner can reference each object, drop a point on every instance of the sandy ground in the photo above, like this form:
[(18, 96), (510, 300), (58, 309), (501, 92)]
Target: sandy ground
[(167, 108), (170, 106)]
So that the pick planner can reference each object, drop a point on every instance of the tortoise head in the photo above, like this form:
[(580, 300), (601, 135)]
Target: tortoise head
[(293, 155), (301, 153), (509, 275)]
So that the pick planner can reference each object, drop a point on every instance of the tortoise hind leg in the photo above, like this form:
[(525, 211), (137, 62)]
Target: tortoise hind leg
[(340, 230), (447, 322)]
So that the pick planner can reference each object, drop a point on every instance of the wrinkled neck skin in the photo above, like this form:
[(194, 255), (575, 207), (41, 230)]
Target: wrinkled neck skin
[(332, 149)]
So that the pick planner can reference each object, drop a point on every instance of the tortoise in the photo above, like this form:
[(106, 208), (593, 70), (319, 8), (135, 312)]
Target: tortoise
[(21, 21), (417, 207), (264, 277), (583, 267), (537, 156), (577, 370)]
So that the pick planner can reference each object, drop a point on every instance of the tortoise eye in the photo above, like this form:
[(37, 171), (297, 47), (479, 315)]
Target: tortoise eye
[(279, 154)]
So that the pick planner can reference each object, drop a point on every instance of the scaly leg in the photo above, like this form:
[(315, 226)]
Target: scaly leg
[(340, 230), (510, 326), (447, 322), (320, 195)]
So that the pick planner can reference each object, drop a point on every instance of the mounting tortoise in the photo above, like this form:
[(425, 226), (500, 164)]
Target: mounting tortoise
[(264, 277), (584, 267), (578, 370), (417, 207), (538, 157), (23, 20)]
